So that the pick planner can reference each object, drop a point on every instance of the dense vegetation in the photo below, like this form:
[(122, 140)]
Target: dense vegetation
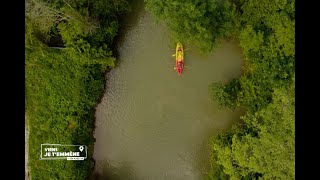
[(262, 146), (64, 84), (198, 22), (67, 52)]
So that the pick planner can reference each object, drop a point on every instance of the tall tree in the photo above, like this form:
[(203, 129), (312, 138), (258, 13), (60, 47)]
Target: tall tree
[(195, 21), (262, 146)]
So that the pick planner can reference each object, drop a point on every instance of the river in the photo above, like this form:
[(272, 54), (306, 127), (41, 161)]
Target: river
[(151, 123)]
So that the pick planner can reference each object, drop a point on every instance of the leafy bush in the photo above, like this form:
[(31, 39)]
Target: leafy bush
[(195, 21), (263, 145), (63, 86)]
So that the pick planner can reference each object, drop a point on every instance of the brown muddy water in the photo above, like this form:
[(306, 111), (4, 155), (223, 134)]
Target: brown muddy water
[(152, 124)]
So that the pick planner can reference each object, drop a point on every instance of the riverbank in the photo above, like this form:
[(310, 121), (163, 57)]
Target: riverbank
[(58, 114), (63, 86)]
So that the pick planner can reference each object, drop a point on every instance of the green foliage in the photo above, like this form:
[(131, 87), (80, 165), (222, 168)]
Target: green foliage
[(267, 40), (195, 22), (57, 108), (276, 20), (40, 17), (251, 41), (262, 146), (107, 12), (63, 86), (225, 95)]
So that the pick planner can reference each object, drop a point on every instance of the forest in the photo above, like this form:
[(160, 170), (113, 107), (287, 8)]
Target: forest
[(262, 146), (69, 48)]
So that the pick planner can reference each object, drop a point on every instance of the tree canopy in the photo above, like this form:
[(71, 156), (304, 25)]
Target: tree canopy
[(263, 145), (195, 21), (63, 85)]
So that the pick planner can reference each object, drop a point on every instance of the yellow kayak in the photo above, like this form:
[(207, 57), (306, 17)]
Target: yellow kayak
[(179, 58)]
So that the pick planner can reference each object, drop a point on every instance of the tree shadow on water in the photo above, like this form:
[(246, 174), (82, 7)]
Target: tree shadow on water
[(127, 21)]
